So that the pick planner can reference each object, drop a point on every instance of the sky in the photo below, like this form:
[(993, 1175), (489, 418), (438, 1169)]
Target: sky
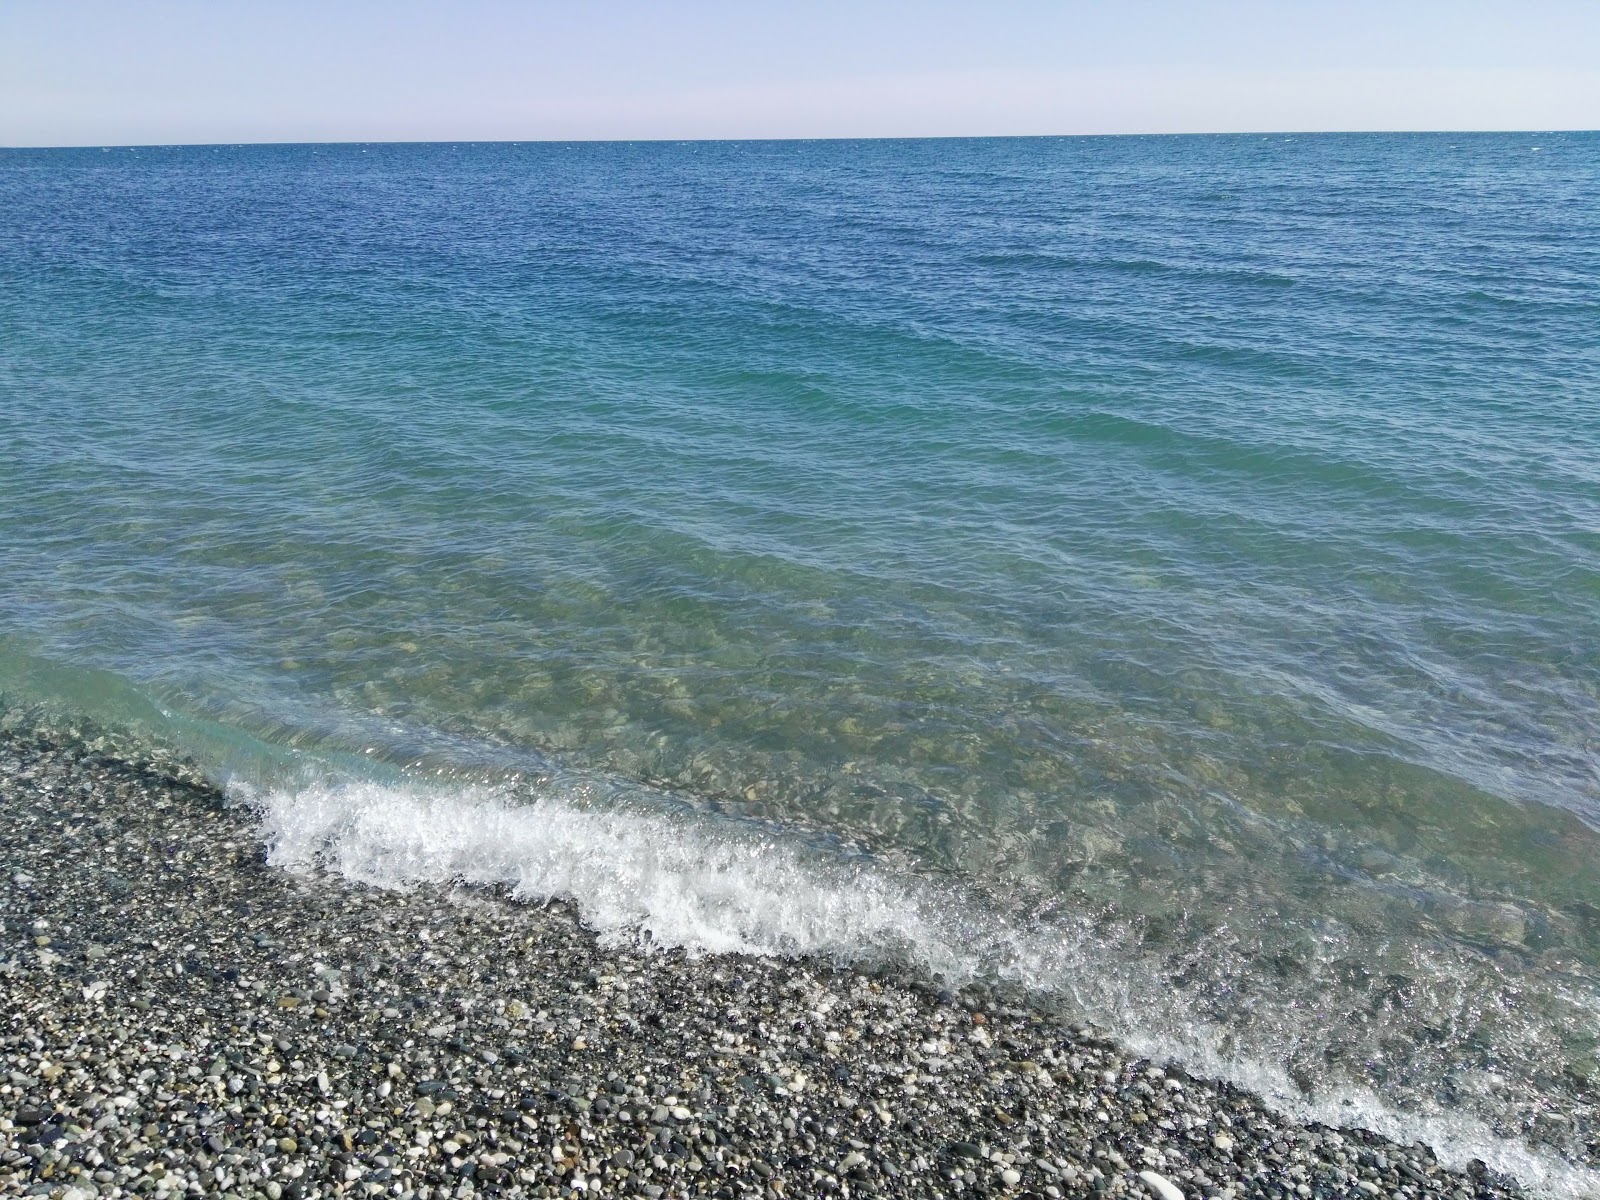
[(118, 72)]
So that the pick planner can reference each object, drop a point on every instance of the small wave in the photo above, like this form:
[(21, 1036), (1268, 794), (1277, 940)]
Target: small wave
[(712, 886), (628, 872)]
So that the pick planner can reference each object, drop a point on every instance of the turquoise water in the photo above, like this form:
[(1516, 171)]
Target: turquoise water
[(1162, 571)]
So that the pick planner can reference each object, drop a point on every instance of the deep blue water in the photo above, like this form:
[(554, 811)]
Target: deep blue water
[(1164, 571)]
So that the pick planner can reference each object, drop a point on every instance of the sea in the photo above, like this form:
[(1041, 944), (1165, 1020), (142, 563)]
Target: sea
[(1160, 574)]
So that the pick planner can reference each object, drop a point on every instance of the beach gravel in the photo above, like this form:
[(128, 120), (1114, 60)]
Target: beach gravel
[(179, 1018)]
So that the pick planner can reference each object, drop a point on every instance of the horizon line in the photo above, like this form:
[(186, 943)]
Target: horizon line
[(926, 137)]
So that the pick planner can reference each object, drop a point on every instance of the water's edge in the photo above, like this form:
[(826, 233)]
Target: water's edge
[(673, 877)]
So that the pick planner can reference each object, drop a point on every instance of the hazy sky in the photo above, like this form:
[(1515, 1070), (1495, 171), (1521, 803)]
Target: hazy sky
[(93, 72)]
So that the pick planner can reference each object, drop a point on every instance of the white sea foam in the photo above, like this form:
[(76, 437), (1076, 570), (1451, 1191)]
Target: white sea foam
[(719, 887), (627, 872)]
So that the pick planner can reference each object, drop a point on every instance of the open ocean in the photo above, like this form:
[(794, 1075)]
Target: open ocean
[(1163, 572)]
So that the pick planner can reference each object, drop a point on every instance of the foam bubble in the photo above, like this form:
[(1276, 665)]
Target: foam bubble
[(722, 887)]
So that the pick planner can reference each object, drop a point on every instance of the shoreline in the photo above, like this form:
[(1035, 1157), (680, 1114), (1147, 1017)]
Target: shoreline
[(181, 1018)]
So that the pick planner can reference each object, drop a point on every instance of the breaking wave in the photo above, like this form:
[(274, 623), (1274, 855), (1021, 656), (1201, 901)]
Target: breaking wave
[(719, 886)]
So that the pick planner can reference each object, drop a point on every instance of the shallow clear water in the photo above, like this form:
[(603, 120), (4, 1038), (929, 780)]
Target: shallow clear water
[(1165, 571)]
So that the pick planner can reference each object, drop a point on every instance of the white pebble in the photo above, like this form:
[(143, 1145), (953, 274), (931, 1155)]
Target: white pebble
[(1161, 1185)]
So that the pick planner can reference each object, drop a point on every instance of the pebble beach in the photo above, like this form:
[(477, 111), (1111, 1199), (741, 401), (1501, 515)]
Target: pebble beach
[(181, 1018)]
